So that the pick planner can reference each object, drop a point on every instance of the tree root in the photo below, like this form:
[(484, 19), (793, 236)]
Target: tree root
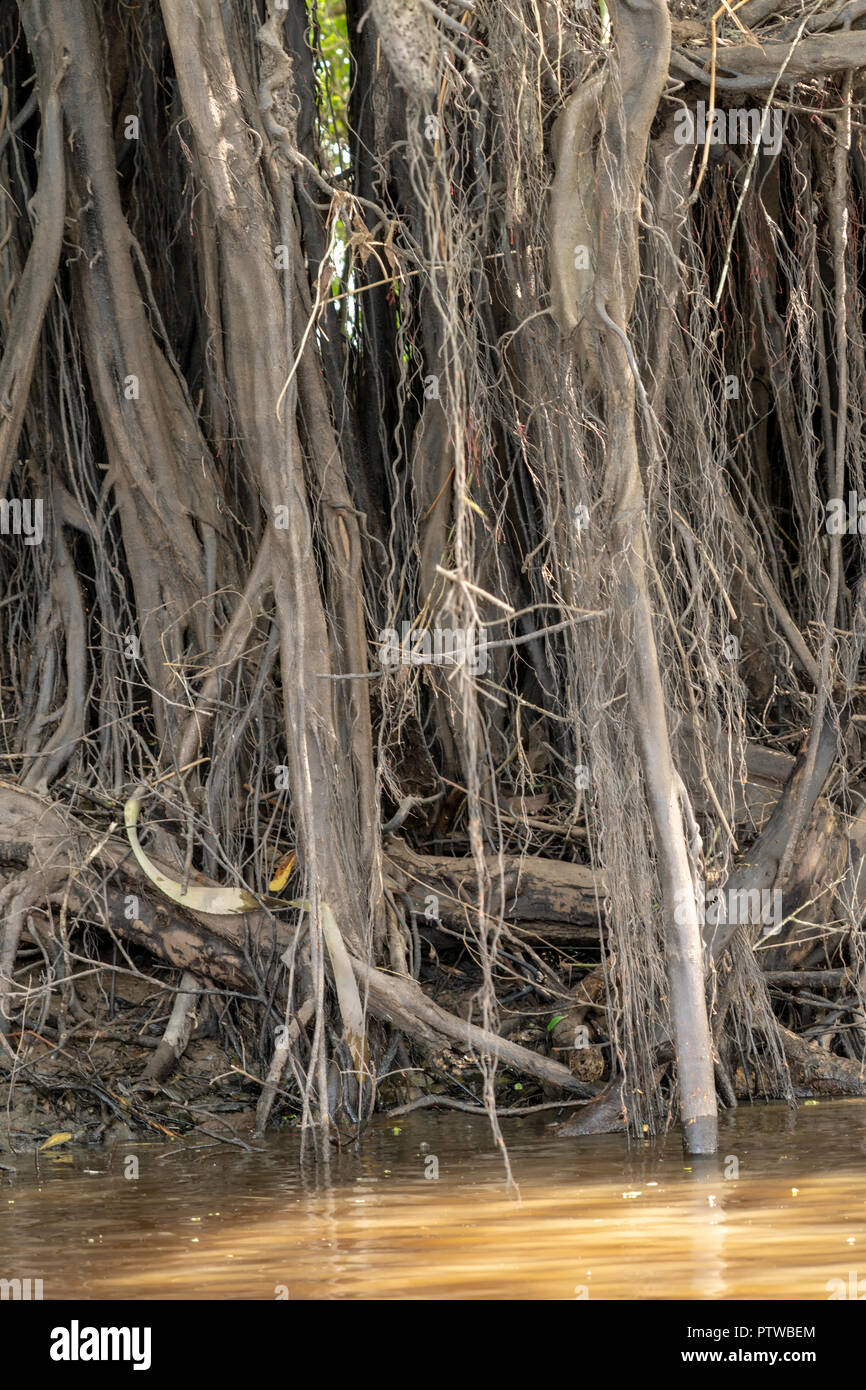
[(178, 1030)]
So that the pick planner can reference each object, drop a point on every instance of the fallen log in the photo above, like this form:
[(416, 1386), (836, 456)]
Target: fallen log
[(815, 1071), (758, 869), (754, 798), (532, 890), (538, 935), (206, 948), (401, 1002), (221, 948), (217, 951), (763, 65), (210, 951), (823, 979)]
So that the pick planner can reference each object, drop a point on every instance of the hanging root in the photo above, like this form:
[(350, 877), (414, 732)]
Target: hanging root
[(351, 1012), (177, 1034), (426, 439)]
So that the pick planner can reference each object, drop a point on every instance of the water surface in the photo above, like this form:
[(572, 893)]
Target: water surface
[(778, 1215)]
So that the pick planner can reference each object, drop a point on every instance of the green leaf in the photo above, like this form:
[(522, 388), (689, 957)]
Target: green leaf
[(557, 1018)]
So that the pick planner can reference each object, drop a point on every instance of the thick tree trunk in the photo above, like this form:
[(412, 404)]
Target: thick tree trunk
[(260, 361), (643, 40)]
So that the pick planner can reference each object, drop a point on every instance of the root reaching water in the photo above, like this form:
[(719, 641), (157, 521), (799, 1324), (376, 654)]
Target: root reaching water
[(445, 468)]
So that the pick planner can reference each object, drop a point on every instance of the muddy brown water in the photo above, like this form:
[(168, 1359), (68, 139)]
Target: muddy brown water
[(779, 1215)]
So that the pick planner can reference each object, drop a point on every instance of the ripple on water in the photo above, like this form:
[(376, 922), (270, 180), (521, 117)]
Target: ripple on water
[(777, 1215)]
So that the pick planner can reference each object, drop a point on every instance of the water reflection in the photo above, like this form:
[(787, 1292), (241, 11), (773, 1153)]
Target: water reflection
[(778, 1214)]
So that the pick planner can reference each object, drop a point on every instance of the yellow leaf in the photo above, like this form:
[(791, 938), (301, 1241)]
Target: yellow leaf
[(63, 1136), (474, 505), (282, 872), (225, 902)]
